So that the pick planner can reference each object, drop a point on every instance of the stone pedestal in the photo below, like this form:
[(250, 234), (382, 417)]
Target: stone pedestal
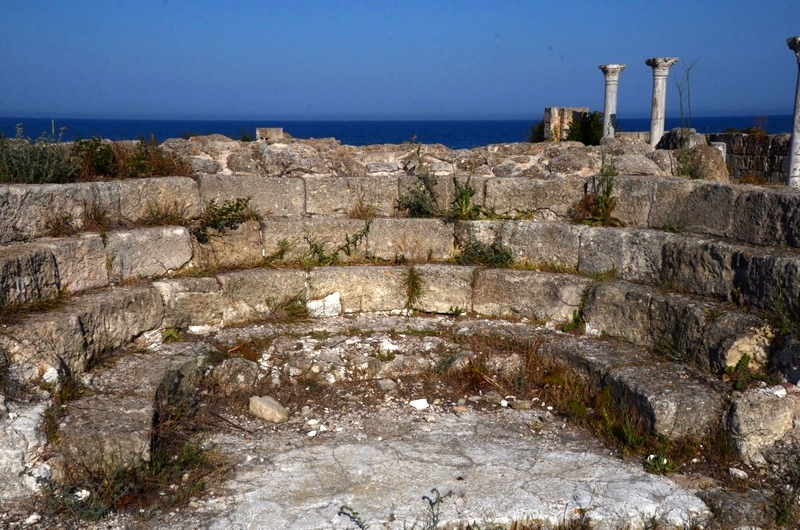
[(611, 73), (660, 66), (793, 178)]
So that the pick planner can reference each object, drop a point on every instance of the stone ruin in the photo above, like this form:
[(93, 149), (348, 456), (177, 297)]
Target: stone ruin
[(659, 309)]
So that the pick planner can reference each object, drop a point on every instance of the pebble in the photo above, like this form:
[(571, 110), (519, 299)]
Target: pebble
[(311, 434), (737, 473), (503, 403), (460, 409), (312, 422), (521, 405), (33, 518), (419, 404)]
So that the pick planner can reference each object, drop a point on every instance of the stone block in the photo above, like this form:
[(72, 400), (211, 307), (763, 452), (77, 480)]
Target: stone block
[(147, 252), (543, 199), (757, 420), (698, 266), (331, 233), (766, 216), (543, 243), (764, 277), (537, 295), (141, 200), (191, 302), (248, 295), (28, 272), (269, 196), (445, 288), (342, 196), (28, 211), (732, 335), (672, 400), (81, 261), (486, 232), (361, 288), (693, 206), (634, 198), (412, 239), (620, 310), (229, 249)]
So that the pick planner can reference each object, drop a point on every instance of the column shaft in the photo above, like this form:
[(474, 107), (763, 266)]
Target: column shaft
[(661, 66), (611, 73), (793, 178)]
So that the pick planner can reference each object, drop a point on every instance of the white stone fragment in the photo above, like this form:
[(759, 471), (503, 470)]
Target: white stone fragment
[(50, 376), (737, 473), (419, 404), (265, 407), (330, 306)]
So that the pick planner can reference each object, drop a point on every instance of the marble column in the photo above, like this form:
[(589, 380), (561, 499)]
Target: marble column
[(611, 73), (660, 66), (793, 178)]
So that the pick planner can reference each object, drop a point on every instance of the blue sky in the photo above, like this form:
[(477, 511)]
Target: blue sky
[(386, 60)]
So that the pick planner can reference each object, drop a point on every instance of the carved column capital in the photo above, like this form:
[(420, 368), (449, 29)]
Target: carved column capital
[(794, 45), (611, 71), (661, 65)]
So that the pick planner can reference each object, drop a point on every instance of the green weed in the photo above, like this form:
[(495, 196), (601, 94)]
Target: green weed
[(463, 207), (596, 208), (420, 199), (476, 252), (226, 216), (589, 130), (170, 335), (318, 255), (414, 286), (291, 309)]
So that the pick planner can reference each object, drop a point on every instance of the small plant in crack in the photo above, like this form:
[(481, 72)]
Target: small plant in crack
[(476, 252), (463, 207), (291, 309), (415, 288), (420, 199), (318, 255), (221, 217), (598, 203)]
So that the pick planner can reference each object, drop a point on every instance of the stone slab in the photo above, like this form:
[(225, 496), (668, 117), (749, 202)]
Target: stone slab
[(81, 261), (28, 272), (541, 296), (331, 233), (361, 288), (445, 288), (239, 247), (545, 199), (341, 196), (552, 244), (27, 210), (415, 240), (191, 302), (147, 252), (248, 295), (269, 196)]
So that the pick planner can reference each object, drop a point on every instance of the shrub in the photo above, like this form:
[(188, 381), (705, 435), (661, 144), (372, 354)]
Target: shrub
[(598, 204), (45, 160), (420, 199), (226, 216), (589, 130), (476, 252)]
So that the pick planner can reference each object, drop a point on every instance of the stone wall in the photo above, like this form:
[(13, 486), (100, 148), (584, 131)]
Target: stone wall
[(756, 156)]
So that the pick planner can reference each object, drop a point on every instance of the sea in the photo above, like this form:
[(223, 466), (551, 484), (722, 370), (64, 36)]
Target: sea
[(455, 134)]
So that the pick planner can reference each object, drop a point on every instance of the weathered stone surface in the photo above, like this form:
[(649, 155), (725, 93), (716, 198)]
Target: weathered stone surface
[(734, 509), (445, 288), (362, 288), (410, 239), (343, 196), (679, 138), (147, 252), (633, 254), (538, 295), (693, 206), (619, 309), (232, 248), (144, 199), (266, 408), (236, 376), (756, 420), (699, 266), (707, 163), (767, 216), (81, 261), (21, 440), (634, 196), (326, 307), (733, 335), (543, 243), (281, 197), (191, 302), (332, 234), (544, 199), (28, 210), (112, 428), (284, 160), (28, 272), (248, 295), (673, 400), (629, 164)]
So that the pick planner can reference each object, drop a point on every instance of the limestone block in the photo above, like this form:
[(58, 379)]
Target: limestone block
[(284, 160), (767, 216), (412, 239), (81, 261), (634, 197), (645, 250), (757, 420), (543, 243), (28, 272), (673, 400), (140, 199), (486, 232), (445, 188), (236, 376), (635, 164), (445, 288), (191, 302), (620, 310), (699, 266), (269, 196), (546, 199), (538, 295), (229, 249), (341, 196), (247, 295), (21, 439), (693, 206), (732, 335), (147, 252), (633, 254), (676, 327), (362, 288), (331, 233), (326, 307), (765, 276), (266, 408), (27, 210)]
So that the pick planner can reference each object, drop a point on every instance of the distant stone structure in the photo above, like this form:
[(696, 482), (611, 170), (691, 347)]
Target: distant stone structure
[(611, 73), (660, 66), (558, 121), (269, 134)]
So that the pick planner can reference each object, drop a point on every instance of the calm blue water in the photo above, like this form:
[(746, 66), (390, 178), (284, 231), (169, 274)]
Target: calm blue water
[(453, 134)]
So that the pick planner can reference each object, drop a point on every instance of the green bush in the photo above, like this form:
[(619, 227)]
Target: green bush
[(45, 160), (589, 130)]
